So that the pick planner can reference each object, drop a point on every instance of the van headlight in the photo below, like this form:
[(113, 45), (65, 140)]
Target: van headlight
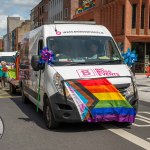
[(130, 90), (58, 83), (58, 79)]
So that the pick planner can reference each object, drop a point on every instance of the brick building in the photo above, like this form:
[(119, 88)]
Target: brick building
[(1, 44), (39, 14), (18, 33), (12, 23), (128, 21), (48, 11)]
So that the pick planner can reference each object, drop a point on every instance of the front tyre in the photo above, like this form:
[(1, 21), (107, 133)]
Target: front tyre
[(48, 116)]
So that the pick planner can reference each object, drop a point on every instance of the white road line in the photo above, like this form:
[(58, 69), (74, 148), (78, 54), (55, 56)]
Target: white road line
[(148, 138), (128, 136), (143, 120), (1, 127), (4, 94), (2, 97), (143, 112)]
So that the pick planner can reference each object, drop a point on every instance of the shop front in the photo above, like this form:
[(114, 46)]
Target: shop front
[(143, 51)]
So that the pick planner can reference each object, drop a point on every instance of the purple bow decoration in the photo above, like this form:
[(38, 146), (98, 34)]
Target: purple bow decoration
[(46, 56)]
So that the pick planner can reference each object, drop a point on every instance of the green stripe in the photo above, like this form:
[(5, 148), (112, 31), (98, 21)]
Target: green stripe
[(113, 103)]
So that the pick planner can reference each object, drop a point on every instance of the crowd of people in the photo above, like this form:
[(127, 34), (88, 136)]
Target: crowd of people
[(3, 73)]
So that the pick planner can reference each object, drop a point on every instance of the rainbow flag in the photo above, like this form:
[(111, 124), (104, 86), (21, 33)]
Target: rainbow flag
[(98, 100)]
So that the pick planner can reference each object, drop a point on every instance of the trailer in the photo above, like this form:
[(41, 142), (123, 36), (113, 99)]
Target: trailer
[(12, 59)]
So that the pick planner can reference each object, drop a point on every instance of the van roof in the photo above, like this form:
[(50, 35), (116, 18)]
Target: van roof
[(8, 53), (69, 30)]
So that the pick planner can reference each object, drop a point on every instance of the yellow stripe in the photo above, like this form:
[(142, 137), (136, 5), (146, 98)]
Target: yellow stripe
[(109, 96)]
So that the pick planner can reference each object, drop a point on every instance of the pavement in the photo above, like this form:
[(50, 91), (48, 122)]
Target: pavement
[(143, 85)]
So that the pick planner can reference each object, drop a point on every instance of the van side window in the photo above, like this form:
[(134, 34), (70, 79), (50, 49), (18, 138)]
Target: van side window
[(40, 46)]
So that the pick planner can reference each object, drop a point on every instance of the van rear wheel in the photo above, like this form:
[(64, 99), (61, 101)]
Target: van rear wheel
[(12, 89), (48, 116), (25, 100)]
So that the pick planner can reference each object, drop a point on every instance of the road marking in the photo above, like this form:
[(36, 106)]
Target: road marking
[(1, 127), (2, 97), (128, 136), (148, 138), (144, 112), (4, 94), (137, 125), (143, 119), (146, 118)]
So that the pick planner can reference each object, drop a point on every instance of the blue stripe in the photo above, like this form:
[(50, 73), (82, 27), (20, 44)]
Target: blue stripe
[(85, 113), (110, 111), (84, 100)]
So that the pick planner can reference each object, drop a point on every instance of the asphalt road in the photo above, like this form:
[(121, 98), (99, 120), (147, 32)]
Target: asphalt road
[(25, 128)]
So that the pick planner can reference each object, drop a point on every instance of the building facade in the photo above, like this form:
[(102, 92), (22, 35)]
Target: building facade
[(39, 14), (128, 21), (1, 44), (5, 43), (18, 33), (48, 11), (61, 10), (12, 23)]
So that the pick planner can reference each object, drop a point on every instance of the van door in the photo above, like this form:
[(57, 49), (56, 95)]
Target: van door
[(36, 75)]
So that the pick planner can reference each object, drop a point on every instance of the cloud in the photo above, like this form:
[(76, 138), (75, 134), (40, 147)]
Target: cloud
[(25, 3), (3, 24), (15, 8), (3, 21)]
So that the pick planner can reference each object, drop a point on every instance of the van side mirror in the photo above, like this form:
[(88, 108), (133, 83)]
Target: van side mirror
[(35, 63)]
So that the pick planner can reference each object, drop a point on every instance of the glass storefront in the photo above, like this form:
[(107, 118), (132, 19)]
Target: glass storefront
[(143, 51)]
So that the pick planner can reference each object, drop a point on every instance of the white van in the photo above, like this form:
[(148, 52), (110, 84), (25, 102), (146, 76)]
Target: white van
[(78, 85)]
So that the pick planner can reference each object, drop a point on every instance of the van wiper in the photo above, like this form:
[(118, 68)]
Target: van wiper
[(119, 61)]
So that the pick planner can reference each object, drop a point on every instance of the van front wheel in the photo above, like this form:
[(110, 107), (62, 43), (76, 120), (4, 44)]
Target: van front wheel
[(48, 116)]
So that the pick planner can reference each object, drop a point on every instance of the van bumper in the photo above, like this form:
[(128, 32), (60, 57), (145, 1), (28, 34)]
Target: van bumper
[(64, 110)]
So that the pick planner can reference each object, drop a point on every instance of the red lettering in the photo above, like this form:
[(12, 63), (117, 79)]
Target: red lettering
[(86, 72)]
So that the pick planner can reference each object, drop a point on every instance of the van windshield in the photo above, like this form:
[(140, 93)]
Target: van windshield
[(8, 59), (83, 50)]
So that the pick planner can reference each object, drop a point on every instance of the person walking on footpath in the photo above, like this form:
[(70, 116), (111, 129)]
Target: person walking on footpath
[(1, 73), (4, 73)]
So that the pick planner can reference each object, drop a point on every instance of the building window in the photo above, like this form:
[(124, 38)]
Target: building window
[(142, 16), (134, 15), (42, 9), (123, 10), (80, 2), (149, 20), (66, 13), (40, 46), (104, 2)]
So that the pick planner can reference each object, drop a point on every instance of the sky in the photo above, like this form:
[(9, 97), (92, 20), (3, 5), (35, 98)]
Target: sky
[(15, 8)]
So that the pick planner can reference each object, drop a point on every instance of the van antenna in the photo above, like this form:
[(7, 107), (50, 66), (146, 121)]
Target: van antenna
[(55, 28)]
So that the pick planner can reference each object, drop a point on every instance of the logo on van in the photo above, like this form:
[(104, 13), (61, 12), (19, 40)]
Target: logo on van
[(1, 127), (58, 32), (83, 73)]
